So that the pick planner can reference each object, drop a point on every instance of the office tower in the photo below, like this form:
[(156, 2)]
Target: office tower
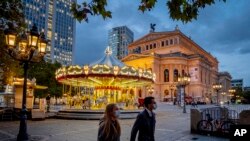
[(54, 18), (237, 83), (118, 39)]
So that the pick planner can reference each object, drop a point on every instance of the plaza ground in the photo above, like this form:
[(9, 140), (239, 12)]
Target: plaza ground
[(171, 125)]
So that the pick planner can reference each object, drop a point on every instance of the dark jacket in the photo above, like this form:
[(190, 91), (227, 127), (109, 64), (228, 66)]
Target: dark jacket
[(146, 127), (111, 137)]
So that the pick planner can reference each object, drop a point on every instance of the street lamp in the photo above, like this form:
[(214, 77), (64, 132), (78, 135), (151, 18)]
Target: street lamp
[(217, 88), (223, 98), (232, 94), (25, 49), (231, 91), (184, 80)]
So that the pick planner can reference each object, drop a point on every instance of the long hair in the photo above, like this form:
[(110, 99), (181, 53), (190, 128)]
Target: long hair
[(109, 124)]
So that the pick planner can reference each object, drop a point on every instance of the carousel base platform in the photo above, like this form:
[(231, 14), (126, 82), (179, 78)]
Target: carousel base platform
[(93, 114)]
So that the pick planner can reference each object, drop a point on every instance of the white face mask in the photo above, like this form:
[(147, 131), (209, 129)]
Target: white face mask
[(154, 106), (117, 113)]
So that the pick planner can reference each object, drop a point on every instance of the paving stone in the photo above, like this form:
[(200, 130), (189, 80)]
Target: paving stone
[(171, 125)]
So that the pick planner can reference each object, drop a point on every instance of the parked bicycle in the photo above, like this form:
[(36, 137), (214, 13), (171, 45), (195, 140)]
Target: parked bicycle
[(221, 126)]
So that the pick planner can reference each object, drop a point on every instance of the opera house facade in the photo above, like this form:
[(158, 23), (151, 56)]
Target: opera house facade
[(169, 54)]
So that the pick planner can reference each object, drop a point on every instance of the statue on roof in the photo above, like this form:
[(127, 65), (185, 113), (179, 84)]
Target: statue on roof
[(152, 27), (108, 50), (177, 27)]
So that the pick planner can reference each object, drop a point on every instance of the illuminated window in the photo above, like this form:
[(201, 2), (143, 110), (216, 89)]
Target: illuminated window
[(166, 75), (166, 42), (175, 75), (171, 41)]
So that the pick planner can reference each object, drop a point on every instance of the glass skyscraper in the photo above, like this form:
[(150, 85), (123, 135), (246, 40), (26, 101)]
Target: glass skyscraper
[(118, 39), (54, 18)]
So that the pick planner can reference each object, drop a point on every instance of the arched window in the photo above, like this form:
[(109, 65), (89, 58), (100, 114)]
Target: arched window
[(166, 75), (166, 93), (175, 75)]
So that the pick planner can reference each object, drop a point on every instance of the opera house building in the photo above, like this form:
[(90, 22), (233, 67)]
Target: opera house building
[(169, 54)]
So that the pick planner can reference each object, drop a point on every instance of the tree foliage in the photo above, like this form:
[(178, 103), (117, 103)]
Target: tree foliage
[(44, 72), (183, 10), (10, 12), (246, 96)]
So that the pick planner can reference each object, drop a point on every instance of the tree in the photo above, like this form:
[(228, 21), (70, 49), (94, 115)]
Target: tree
[(183, 10), (246, 96), (44, 72), (10, 12)]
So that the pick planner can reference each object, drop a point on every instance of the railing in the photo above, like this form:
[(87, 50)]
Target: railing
[(217, 121), (239, 108)]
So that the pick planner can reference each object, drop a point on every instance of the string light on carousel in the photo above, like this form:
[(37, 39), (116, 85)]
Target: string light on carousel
[(110, 80)]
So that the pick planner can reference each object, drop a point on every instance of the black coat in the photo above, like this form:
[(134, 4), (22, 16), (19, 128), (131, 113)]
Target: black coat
[(146, 127)]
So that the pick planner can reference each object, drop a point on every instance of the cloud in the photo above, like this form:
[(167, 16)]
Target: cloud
[(221, 29), (236, 64), (92, 37)]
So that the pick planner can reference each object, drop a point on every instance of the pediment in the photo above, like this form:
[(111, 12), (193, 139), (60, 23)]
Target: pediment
[(151, 36), (133, 57)]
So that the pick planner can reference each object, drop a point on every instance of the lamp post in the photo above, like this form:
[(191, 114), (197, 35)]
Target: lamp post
[(217, 88), (183, 81), (223, 98), (25, 49), (232, 92)]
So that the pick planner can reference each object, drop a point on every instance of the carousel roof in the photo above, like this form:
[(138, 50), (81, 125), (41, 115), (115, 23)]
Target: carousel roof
[(108, 60), (108, 71)]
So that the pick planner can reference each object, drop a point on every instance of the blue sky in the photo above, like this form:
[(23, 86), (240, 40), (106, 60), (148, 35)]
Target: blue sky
[(221, 29)]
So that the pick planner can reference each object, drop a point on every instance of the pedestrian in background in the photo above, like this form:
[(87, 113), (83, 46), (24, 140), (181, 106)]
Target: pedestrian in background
[(48, 102), (109, 126), (145, 122), (194, 104)]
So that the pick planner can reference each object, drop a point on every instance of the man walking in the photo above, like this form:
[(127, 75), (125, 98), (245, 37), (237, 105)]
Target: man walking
[(145, 122)]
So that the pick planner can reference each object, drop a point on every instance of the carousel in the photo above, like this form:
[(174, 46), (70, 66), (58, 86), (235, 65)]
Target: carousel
[(107, 80)]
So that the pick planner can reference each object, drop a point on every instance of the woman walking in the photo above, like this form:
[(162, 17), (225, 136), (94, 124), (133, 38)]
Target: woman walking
[(109, 127)]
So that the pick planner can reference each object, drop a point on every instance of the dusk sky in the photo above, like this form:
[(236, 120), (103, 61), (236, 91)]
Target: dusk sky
[(221, 29)]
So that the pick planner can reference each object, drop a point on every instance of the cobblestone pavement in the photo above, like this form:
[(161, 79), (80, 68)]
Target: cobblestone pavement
[(172, 125)]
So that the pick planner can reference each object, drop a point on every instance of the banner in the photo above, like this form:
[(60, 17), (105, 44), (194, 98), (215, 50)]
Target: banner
[(182, 96)]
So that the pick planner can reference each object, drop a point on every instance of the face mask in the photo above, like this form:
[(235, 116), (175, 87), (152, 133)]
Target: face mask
[(117, 113), (154, 106)]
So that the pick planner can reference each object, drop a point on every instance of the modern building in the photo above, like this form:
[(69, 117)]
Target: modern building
[(169, 54), (53, 17), (118, 39), (225, 80), (237, 83)]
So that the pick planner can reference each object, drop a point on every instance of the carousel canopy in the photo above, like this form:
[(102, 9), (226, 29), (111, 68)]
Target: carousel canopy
[(108, 60), (107, 71)]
